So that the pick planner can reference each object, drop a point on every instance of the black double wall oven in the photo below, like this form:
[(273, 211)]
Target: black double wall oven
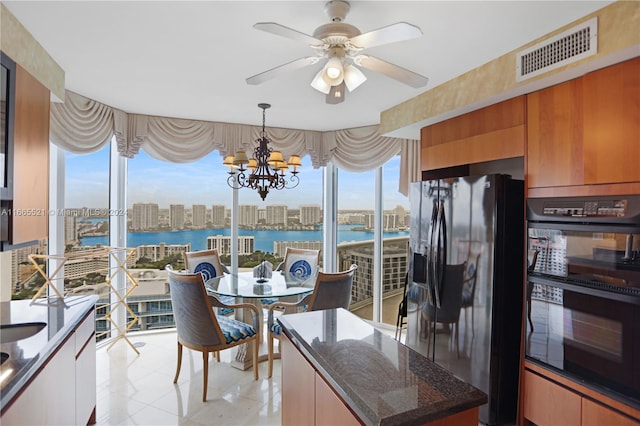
[(583, 290)]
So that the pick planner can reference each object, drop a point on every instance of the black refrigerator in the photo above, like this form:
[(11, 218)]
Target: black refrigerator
[(465, 283)]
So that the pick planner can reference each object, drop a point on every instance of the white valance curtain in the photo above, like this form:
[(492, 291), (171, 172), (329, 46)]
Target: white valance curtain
[(82, 125)]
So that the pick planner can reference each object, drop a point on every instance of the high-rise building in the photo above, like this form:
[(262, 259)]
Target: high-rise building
[(155, 252), (199, 216), (70, 229), (391, 222), (310, 214), (222, 243), (248, 215), (277, 215), (176, 216), (280, 247), (218, 215), (144, 216), (394, 265), (356, 218)]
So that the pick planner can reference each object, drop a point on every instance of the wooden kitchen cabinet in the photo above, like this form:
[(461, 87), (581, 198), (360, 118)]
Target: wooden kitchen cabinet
[(28, 218), (554, 133), (551, 399), (594, 414), (586, 131), (546, 403), (330, 410), (612, 124), (306, 398), (298, 386), (492, 133)]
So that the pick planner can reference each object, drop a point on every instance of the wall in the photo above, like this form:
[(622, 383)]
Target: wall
[(618, 40), (25, 50)]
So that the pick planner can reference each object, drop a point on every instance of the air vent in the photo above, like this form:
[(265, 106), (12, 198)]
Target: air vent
[(562, 49)]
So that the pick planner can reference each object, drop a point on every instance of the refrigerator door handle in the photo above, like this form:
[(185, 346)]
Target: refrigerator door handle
[(441, 253), (430, 253)]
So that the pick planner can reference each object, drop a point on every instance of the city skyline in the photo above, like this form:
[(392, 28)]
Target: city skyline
[(205, 182)]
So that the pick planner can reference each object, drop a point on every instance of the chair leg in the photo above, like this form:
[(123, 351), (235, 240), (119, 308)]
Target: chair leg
[(175, 379), (473, 322), (255, 358), (270, 354), (205, 369), (529, 294), (457, 339)]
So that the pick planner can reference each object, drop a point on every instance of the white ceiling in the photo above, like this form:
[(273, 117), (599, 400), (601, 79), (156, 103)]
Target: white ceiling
[(190, 59)]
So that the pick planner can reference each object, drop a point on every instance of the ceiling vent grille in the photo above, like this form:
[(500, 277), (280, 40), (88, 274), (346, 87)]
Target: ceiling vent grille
[(562, 49)]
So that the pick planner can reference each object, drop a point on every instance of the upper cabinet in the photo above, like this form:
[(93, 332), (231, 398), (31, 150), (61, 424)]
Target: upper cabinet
[(25, 213), (554, 132), (612, 124), (495, 132), (587, 130)]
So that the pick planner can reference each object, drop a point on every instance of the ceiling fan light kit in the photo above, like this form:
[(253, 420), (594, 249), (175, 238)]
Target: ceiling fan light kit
[(353, 77), (341, 44), (267, 168)]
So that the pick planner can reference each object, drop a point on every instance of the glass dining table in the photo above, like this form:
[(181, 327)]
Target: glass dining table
[(247, 288)]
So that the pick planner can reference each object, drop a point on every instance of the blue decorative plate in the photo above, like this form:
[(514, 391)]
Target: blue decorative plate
[(300, 269), (207, 270)]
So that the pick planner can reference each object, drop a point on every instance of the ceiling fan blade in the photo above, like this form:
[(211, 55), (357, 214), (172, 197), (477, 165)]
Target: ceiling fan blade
[(390, 34), (281, 30), (281, 69), (396, 72)]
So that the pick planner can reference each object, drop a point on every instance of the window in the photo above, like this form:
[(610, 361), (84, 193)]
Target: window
[(172, 208), (286, 218), (356, 197), (395, 222)]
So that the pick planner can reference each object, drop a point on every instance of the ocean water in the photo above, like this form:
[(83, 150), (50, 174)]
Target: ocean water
[(263, 240)]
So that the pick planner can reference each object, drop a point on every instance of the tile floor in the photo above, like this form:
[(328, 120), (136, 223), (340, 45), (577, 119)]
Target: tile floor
[(138, 389)]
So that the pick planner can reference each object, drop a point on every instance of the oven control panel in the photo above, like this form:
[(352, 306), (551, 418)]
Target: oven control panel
[(590, 208)]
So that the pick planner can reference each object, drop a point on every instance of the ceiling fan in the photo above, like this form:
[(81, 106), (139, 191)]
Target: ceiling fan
[(340, 45)]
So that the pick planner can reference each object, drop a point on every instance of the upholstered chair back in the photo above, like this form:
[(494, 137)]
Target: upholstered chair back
[(300, 263), (332, 290), (196, 323), (205, 262)]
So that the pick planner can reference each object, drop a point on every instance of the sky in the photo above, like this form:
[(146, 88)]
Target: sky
[(205, 182)]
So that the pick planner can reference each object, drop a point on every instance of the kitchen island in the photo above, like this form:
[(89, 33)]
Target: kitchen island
[(48, 358), (338, 369)]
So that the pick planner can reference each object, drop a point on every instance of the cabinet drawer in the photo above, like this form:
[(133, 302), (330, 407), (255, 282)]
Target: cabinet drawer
[(594, 414), (85, 331), (546, 403)]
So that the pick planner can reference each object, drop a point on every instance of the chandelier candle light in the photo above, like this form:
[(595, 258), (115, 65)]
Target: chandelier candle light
[(266, 169)]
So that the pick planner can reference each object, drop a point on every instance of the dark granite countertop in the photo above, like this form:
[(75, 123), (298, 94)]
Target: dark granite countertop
[(28, 355), (383, 381)]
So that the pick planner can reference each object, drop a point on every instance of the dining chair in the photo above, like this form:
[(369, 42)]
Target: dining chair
[(449, 310), (470, 279), (401, 320), (200, 329), (207, 262), (299, 263), (331, 290)]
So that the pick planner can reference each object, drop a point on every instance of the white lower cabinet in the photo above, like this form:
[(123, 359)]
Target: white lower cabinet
[(85, 383), (49, 398), (64, 391)]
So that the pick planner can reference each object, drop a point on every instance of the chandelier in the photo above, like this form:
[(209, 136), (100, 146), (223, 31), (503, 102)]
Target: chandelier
[(265, 170)]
